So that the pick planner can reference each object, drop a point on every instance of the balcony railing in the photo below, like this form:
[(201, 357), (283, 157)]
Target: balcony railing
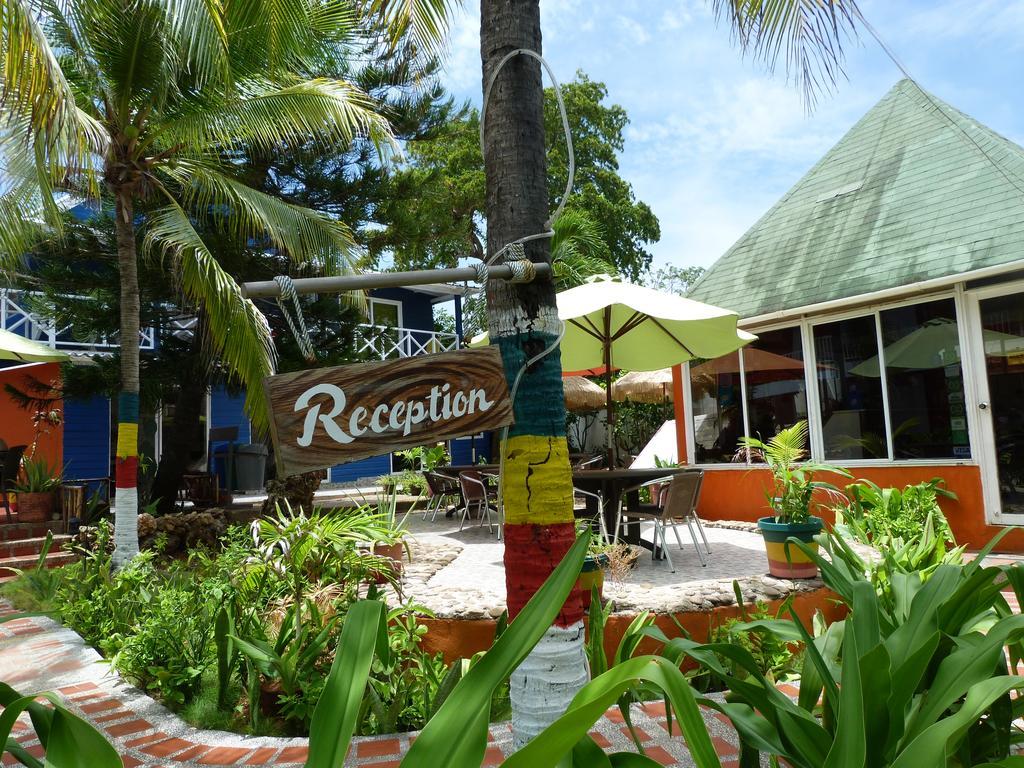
[(386, 342), (379, 341), (17, 318)]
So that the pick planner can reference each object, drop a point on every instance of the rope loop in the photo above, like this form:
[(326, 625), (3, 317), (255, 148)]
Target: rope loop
[(523, 271), (298, 325)]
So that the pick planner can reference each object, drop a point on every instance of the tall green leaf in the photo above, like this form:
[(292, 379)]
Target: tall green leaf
[(449, 739), (336, 715)]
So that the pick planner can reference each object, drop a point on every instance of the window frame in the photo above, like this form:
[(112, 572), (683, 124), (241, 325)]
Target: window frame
[(371, 300), (806, 324)]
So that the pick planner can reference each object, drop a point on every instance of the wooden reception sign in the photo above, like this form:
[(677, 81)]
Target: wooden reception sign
[(328, 416)]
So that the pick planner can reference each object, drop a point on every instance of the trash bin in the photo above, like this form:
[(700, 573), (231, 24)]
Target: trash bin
[(250, 466)]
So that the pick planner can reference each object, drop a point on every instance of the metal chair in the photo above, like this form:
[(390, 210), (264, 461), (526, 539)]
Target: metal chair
[(589, 462), (10, 466), (475, 494), (440, 487), (676, 502), (601, 526)]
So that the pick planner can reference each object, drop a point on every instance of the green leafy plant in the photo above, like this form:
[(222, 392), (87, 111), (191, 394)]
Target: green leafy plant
[(292, 662), (38, 476), (777, 658), (426, 458), (456, 735), (894, 513), (925, 680), (35, 588), (793, 483), (68, 741)]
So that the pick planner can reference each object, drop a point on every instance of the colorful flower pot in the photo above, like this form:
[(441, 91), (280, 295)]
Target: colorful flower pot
[(786, 560), (592, 575)]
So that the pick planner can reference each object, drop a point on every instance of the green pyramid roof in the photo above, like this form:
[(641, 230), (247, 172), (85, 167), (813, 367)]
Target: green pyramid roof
[(915, 191)]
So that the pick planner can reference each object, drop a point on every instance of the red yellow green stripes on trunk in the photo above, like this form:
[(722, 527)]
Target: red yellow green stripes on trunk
[(126, 472), (537, 478)]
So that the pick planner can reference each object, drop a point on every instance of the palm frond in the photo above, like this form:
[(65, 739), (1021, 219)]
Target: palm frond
[(426, 22), (37, 100), (808, 34), (270, 37), (578, 249), (199, 29), (789, 445), (305, 236), (239, 333), (266, 116)]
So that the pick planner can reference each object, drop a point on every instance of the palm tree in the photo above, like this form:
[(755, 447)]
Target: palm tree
[(147, 104), (524, 322)]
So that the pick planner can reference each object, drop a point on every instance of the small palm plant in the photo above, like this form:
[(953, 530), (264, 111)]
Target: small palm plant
[(793, 483)]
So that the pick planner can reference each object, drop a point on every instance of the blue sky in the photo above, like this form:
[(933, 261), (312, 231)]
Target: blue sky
[(713, 140)]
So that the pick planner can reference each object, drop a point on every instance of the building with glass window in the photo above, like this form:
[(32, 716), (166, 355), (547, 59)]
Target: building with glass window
[(886, 289)]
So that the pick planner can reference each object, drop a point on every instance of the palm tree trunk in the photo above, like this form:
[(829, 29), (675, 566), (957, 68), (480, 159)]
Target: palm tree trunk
[(126, 462), (523, 322)]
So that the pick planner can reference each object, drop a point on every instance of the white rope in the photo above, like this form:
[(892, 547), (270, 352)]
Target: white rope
[(571, 178), (298, 326)]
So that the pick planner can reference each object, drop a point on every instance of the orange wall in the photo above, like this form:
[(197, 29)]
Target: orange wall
[(739, 494), (457, 638), (16, 426)]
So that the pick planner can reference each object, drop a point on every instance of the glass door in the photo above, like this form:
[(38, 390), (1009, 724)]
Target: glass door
[(999, 355)]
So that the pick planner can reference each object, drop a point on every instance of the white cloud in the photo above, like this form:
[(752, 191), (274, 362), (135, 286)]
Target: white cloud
[(974, 20), (636, 31)]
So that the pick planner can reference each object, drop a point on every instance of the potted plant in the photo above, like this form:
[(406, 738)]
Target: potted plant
[(391, 546), (793, 487), (594, 566), (37, 491)]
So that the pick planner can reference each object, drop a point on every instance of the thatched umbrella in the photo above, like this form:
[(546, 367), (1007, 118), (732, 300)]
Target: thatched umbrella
[(582, 394), (644, 386)]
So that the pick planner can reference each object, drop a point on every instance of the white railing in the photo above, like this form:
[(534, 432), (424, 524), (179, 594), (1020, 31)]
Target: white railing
[(17, 318), (386, 342)]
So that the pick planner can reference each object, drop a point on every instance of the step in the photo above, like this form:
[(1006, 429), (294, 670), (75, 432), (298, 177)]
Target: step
[(17, 531), (53, 560), (29, 547)]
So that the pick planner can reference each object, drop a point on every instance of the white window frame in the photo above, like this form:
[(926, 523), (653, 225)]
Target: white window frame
[(875, 309), (371, 300), (975, 387)]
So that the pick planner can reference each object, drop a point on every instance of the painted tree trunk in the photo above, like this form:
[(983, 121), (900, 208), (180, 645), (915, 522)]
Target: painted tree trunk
[(126, 461), (524, 321), (189, 405)]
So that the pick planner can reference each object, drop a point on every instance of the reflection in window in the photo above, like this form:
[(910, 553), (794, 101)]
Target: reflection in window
[(852, 413), (717, 408), (926, 389), (776, 388)]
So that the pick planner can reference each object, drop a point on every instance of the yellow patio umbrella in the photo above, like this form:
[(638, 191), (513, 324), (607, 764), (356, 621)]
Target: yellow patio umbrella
[(611, 324), (15, 347)]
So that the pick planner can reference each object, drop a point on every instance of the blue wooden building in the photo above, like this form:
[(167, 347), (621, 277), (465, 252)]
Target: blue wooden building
[(399, 323)]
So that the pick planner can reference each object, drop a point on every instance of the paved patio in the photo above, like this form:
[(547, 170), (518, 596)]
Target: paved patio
[(459, 574)]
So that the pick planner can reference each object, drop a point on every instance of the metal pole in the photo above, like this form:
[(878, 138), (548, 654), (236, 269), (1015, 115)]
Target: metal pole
[(365, 282)]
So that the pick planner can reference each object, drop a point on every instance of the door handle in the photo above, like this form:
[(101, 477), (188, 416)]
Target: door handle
[(983, 406)]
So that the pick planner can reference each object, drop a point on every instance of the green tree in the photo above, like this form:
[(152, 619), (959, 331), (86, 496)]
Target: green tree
[(678, 280), (524, 321), (146, 104), (435, 213)]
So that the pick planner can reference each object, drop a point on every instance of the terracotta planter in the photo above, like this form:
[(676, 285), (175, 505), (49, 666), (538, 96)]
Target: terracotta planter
[(270, 698), (36, 507), (592, 575), (393, 552), (786, 560)]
